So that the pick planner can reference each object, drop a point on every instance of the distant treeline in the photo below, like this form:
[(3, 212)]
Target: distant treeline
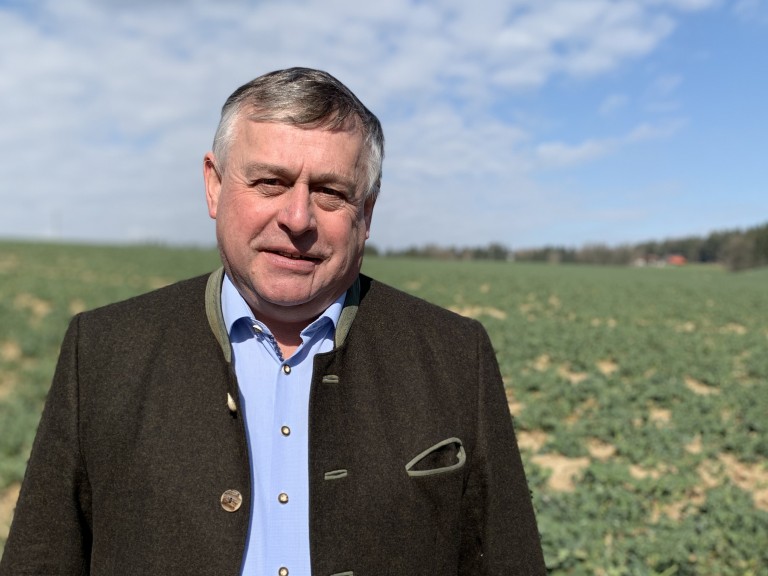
[(734, 249)]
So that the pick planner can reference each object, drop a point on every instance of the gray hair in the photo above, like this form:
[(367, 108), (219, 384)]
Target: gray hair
[(308, 99)]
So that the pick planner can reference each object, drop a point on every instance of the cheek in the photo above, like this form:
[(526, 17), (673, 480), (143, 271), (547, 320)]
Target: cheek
[(345, 233), (242, 219)]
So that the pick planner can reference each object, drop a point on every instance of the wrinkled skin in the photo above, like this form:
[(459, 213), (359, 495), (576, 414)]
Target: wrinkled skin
[(291, 218)]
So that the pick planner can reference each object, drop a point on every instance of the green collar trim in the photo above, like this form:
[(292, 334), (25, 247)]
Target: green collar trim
[(348, 313), (214, 313), (219, 329)]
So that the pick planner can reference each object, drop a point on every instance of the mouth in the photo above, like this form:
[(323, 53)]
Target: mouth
[(296, 256)]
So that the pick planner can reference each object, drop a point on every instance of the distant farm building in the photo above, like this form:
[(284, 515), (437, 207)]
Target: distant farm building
[(676, 260), (660, 262)]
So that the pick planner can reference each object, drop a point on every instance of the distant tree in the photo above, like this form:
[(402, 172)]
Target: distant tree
[(605, 255), (711, 248), (738, 252), (551, 254), (761, 245), (735, 249), (494, 251)]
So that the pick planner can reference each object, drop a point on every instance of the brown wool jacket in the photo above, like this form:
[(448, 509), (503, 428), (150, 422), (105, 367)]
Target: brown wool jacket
[(413, 464)]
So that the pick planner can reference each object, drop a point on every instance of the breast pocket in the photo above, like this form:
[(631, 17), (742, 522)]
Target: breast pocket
[(445, 456)]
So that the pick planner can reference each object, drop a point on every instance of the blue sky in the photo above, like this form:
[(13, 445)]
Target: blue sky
[(525, 122)]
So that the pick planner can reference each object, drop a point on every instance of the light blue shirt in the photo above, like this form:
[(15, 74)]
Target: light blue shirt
[(274, 396)]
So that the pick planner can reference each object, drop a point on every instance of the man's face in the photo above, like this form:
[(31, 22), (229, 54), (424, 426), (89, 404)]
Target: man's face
[(291, 217)]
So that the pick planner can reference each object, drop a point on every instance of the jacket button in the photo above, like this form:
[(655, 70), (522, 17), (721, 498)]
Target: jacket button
[(283, 498), (231, 500), (283, 571)]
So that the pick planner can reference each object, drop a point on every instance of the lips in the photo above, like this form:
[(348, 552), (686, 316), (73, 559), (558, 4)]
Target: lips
[(295, 256)]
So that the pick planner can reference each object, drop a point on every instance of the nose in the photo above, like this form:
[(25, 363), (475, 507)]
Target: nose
[(297, 214)]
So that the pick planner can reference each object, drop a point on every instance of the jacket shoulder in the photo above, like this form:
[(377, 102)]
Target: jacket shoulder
[(175, 312), (184, 297), (380, 300)]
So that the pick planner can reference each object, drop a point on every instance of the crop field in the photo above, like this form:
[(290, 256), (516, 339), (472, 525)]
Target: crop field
[(640, 396)]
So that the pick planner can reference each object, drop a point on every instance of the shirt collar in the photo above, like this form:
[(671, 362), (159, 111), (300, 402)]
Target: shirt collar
[(234, 307)]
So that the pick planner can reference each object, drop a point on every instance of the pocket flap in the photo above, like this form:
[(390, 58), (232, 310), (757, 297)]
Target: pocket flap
[(443, 457)]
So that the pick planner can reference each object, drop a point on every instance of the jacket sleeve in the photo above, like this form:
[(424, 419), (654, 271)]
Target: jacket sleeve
[(499, 532), (50, 532)]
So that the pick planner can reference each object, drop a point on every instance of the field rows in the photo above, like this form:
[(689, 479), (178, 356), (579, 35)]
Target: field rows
[(640, 396)]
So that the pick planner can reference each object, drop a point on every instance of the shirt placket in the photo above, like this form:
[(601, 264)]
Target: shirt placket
[(287, 493)]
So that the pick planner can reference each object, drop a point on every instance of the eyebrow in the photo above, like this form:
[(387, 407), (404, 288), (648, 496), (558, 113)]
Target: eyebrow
[(256, 169)]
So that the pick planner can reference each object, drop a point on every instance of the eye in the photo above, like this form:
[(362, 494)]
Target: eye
[(329, 198), (268, 186), (266, 182), (332, 192)]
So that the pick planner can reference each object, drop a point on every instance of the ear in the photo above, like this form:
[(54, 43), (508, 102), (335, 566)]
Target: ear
[(368, 214), (212, 180)]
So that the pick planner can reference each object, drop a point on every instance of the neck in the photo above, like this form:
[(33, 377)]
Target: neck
[(287, 335)]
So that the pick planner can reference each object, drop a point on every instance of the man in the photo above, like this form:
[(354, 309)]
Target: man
[(286, 415)]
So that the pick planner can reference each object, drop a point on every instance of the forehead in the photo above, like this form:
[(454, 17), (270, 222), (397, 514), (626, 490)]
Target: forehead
[(340, 150)]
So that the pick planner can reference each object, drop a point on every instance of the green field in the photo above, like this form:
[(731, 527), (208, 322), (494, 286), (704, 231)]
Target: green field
[(640, 396)]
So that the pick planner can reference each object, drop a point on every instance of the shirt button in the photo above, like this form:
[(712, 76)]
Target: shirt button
[(283, 571), (285, 431), (257, 329), (231, 500), (283, 498), (286, 369)]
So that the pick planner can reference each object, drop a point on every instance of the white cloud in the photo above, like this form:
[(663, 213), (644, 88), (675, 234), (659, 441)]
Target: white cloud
[(752, 11), (645, 132), (613, 103), (666, 84), (107, 107), (687, 5), (559, 154)]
